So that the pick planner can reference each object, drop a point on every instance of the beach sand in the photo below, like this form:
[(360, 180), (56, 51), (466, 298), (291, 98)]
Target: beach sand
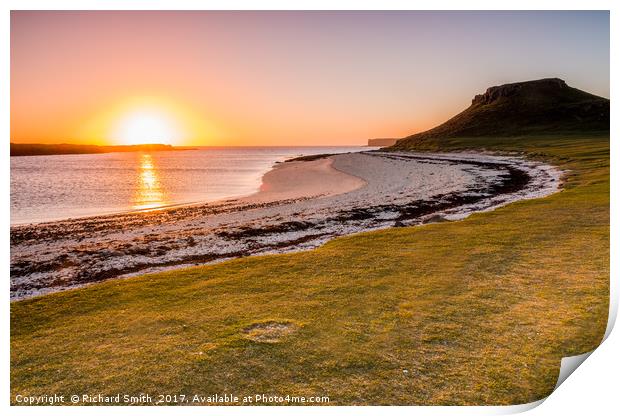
[(304, 179), (301, 205)]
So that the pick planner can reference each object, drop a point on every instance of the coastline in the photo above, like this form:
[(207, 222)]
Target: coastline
[(313, 178), (43, 149), (304, 179), (302, 204), (221, 178)]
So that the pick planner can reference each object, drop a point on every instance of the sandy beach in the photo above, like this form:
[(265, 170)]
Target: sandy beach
[(304, 179), (300, 205)]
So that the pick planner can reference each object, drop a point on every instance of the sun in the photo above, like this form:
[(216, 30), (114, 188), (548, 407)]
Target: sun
[(147, 119), (146, 126)]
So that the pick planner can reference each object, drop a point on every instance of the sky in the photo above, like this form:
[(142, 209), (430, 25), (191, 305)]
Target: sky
[(280, 78)]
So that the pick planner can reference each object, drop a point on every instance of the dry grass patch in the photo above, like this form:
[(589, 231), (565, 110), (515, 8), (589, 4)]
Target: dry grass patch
[(269, 332)]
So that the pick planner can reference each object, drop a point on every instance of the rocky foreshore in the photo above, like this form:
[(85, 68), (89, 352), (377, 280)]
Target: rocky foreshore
[(355, 192)]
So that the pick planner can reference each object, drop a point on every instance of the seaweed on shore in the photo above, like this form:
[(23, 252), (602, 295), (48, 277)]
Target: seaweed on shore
[(134, 244)]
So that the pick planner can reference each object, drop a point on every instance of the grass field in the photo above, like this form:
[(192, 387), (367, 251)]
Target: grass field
[(478, 311)]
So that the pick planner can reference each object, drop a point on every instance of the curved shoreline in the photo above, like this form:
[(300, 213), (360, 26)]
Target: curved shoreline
[(317, 173), (324, 198), (304, 179)]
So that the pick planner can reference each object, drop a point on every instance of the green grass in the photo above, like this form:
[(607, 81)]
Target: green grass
[(478, 311)]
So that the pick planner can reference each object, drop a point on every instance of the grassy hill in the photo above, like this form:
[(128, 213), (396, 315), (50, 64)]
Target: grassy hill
[(478, 311), (541, 107)]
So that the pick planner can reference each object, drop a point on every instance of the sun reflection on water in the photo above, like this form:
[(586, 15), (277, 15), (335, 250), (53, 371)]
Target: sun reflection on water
[(149, 193)]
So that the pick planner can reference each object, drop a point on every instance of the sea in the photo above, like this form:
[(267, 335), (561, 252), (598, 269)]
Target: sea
[(49, 188)]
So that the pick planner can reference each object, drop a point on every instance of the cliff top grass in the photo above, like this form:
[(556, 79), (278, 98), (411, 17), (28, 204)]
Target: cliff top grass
[(478, 311)]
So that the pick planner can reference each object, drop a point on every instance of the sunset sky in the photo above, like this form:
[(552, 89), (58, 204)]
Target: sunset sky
[(280, 78)]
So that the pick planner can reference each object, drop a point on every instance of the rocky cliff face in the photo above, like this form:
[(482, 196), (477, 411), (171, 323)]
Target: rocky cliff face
[(508, 90)]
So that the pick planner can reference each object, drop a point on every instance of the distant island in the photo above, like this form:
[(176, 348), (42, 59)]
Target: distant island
[(382, 142), (36, 149)]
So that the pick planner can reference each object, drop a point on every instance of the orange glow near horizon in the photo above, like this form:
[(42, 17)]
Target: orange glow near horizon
[(162, 78), (147, 119), (144, 126), (262, 78)]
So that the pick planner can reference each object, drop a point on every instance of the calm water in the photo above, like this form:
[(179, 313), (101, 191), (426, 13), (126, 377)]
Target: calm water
[(47, 188)]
